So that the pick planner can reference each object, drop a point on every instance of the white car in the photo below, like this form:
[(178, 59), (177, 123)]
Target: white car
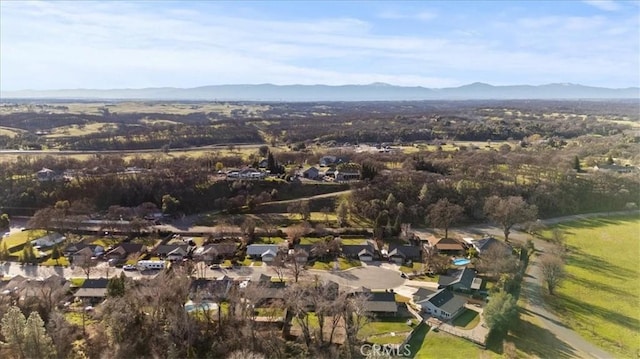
[(129, 267)]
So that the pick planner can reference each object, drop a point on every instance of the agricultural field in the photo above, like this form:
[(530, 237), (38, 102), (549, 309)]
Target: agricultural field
[(603, 269)]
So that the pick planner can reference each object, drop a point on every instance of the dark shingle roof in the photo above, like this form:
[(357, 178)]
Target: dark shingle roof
[(464, 277), (405, 251), (95, 283), (447, 301), (381, 302)]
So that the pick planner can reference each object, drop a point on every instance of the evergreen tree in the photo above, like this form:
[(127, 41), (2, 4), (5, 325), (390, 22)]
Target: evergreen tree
[(38, 343), (116, 286), (4, 252), (576, 164), (13, 328), (500, 311), (55, 254)]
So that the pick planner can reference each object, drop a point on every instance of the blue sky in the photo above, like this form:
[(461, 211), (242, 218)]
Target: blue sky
[(56, 45)]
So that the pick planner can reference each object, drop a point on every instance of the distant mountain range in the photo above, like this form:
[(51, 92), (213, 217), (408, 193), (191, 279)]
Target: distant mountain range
[(371, 92)]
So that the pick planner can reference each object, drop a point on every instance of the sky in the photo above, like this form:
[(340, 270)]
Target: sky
[(118, 44)]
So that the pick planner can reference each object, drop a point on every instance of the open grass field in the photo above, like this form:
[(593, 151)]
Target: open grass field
[(8, 131), (601, 296), (429, 344)]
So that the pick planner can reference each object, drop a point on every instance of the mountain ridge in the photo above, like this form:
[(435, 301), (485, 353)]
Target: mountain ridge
[(376, 91)]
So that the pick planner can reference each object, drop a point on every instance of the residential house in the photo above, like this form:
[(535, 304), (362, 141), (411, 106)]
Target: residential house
[(268, 256), (443, 304), (347, 175), (255, 251), (484, 244), (381, 303), (163, 250), (365, 255), (331, 172), (251, 173), (423, 294), (311, 173), (326, 161), (270, 291), (457, 279), (177, 254), (49, 240), (301, 256), (309, 249), (614, 168), (402, 254), (93, 290), (210, 289), (449, 246), (215, 253), (24, 289), (364, 252), (46, 175), (85, 254), (122, 252)]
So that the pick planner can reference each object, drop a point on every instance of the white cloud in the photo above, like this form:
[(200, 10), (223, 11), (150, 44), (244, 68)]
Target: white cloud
[(605, 5), (107, 45)]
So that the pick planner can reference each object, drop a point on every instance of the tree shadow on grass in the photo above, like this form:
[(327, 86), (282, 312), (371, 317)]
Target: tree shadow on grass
[(593, 263), (535, 341), (581, 309), (417, 338), (596, 222)]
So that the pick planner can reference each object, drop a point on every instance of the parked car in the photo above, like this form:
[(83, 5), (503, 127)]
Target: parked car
[(129, 267), (214, 266)]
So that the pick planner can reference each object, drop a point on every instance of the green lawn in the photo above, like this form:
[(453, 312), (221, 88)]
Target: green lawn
[(469, 319), (385, 326), (20, 238), (601, 296), (77, 282), (428, 344), (415, 266), (62, 261), (342, 264)]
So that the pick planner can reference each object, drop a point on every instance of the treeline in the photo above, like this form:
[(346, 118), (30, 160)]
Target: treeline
[(396, 122), (543, 178)]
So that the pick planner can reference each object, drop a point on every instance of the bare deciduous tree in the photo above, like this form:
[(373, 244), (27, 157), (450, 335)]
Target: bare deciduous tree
[(509, 211), (552, 271)]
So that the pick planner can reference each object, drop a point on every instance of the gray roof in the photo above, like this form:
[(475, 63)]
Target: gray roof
[(447, 301), (464, 277), (355, 249), (91, 293), (422, 294), (405, 251), (484, 244), (259, 249), (164, 249), (381, 302)]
